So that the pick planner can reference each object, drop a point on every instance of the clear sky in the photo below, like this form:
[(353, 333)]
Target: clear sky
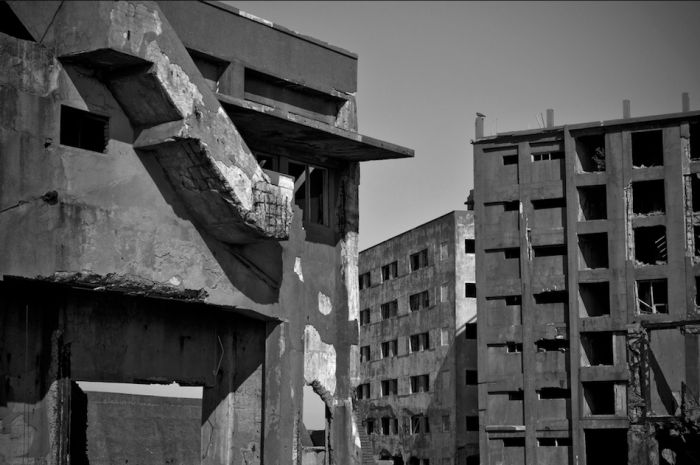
[(426, 68)]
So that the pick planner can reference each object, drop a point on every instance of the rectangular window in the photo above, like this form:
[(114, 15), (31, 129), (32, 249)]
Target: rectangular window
[(470, 290), (365, 280), (390, 426), (390, 387), (369, 423), (390, 348), (420, 424), (390, 271), (471, 377), (363, 391), (514, 347), (469, 246), (470, 331), (472, 423), (419, 301), (419, 342), (420, 383), (510, 160), (647, 149), (364, 354), (652, 296), (419, 260), (84, 130), (364, 317), (547, 156), (389, 309)]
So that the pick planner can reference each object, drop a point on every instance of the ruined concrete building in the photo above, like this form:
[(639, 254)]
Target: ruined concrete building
[(588, 273), (417, 394), (178, 202)]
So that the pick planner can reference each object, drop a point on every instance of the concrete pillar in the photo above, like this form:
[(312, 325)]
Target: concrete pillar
[(686, 102), (626, 109), (550, 118), (479, 126)]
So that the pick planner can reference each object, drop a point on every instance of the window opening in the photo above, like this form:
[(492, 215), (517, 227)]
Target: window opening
[(590, 151), (548, 393), (445, 423), (390, 348), (594, 299), (472, 423), (547, 156), (648, 197), (597, 349), (599, 397), (647, 149), (652, 296), (419, 260), (650, 245), (364, 317), (541, 204), (695, 140), (419, 301), (510, 160), (419, 342), (549, 250), (469, 246), (470, 331), (470, 290), (594, 250), (389, 387), (419, 424), (365, 280), (390, 271), (420, 383), (552, 345), (516, 395), (514, 347), (363, 391), (513, 205), (389, 309), (365, 355), (592, 203), (84, 130)]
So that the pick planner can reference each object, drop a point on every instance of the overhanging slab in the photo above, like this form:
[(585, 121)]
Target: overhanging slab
[(269, 129)]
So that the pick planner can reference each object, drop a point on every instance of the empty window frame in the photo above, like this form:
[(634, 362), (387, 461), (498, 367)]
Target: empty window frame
[(647, 149), (469, 246), (470, 331), (388, 309), (514, 347), (599, 397), (541, 204), (510, 160), (648, 197), (472, 423), (390, 348), (513, 442), (597, 349), (547, 156), (419, 260), (547, 393), (593, 250), (419, 342), (390, 387), (594, 299), (470, 290), (695, 140), (390, 426), (364, 317), (590, 152), (549, 250), (84, 130), (650, 245), (420, 383), (553, 442), (592, 203), (363, 391), (552, 345), (695, 191), (419, 301), (420, 424), (652, 296), (471, 377), (365, 280), (365, 355), (369, 425), (390, 271)]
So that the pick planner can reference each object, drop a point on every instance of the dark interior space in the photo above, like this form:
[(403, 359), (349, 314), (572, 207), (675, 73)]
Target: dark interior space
[(647, 149), (600, 397), (614, 450), (598, 348), (592, 203), (650, 245), (83, 129), (590, 151), (648, 197), (593, 250), (594, 299)]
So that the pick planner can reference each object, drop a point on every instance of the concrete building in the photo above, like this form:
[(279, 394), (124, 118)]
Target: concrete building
[(178, 202), (588, 264), (418, 345)]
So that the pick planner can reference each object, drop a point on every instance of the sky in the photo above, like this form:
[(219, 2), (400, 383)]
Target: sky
[(426, 68)]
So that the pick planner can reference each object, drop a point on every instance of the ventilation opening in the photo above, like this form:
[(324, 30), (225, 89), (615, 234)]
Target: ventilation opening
[(134, 421), (592, 203), (552, 345), (648, 197), (11, 25), (590, 152), (652, 296), (549, 250), (647, 149), (211, 67), (615, 450), (594, 299), (593, 249), (695, 140), (549, 393), (83, 129), (541, 204), (469, 246), (599, 398), (597, 349), (695, 188), (650, 245)]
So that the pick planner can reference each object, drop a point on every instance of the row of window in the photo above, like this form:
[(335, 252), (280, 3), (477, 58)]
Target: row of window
[(414, 343), (415, 424), (390, 387)]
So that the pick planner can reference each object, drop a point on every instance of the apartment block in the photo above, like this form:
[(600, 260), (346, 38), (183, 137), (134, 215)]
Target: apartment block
[(417, 393), (178, 204), (588, 264)]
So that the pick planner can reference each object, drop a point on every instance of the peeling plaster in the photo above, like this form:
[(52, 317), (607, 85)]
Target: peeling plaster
[(319, 360), (297, 270), (325, 305), (131, 23), (183, 92)]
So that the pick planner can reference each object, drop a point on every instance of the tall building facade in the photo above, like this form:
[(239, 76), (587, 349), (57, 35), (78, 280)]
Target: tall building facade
[(588, 264), (178, 203), (417, 391)]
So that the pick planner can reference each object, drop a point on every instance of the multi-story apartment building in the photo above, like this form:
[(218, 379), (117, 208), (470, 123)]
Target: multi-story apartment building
[(588, 264), (417, 393), (178, 203)]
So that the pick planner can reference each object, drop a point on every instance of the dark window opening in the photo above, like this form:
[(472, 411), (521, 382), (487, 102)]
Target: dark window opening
[(364, 317), (365, 354), (648, 197), (363, 391), (390, 387), (597, 348), (513, 442), (390, 426), (647, 149), (469, 246), (365, 280), (509, 253), (592, 203), (389, 309), (695, 140), (471, 377), (541, 204), (211, 67), (472, 423), (696, 240), (552, 345), (419, 301), (650, 245), (516, 395), (547, 156), (419, 342), (512, 300), (590, 151), (615, 450), (473, 460), (553, 442), (594, 299), (510, 159), (369, 424), (599, 397), (420, 424), (420, 383), (652, 296), (84, 130), (551, 297), (470, 331), (550, 393), (419, 260), (594, 250), (469, 290), (549, 250), (697, 291), (11, 25), (695, 188), (514, 347), (513, 205), (390, 271)]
